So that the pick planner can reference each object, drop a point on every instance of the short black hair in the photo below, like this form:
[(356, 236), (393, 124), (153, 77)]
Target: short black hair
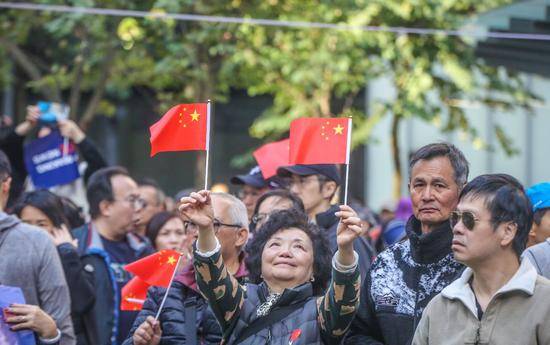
[(285, 219), (505, 198), (47, 202), (149, 182), (456, 157), (156, 223), (5, 166), (539, 214), (74, 214), (100, 188), (297, 203)]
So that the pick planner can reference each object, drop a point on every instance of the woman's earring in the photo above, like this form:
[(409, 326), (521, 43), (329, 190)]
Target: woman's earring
[(312, 279)]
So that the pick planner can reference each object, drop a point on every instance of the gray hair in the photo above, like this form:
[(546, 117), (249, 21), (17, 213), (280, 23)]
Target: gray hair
[(443, 149), (237, 211)]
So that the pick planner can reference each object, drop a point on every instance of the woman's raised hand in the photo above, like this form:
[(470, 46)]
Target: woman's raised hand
[(348, 230), (197, 208)]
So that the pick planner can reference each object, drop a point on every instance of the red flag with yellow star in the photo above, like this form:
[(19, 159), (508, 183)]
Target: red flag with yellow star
[(133, 294), (156, 269), (320, 141), (185, 127)]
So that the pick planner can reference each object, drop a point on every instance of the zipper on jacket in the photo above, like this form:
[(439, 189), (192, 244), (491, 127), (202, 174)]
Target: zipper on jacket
[(477, 334)]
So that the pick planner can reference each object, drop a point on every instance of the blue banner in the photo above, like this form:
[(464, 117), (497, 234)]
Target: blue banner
[(9, 295), (51, 161)]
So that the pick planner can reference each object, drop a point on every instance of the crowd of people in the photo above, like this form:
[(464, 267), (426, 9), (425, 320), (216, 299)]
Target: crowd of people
[(458, 262)]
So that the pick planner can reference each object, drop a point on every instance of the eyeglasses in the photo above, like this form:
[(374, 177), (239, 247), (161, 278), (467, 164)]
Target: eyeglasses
[(135, 201), (217, 224), (257, 218), (300, 181), (468, 219), (244, 194)]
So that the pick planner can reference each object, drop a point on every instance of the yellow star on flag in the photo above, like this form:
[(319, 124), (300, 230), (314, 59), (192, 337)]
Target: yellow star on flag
[(194, 116), (338, 130), (171, 260)]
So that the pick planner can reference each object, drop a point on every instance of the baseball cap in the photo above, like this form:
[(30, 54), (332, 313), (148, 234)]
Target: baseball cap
[(539, 195), (330, 171), (254, 178)]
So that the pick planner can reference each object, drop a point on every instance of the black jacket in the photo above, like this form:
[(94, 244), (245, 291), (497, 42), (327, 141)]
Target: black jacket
[(81, 288), (107, 296), (401, 282), (181, 302), (329, 222)]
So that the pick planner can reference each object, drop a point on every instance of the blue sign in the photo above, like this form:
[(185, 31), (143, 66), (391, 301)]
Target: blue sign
[(9, 295), (51, 161)]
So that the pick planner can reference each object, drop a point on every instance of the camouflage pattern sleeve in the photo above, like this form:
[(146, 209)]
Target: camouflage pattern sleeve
[(224, 294), (338, 306)]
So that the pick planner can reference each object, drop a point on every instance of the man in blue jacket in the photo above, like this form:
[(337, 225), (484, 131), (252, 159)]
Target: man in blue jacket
[(106, 247)]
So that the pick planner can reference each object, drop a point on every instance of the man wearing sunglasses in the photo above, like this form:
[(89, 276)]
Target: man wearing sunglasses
[(499, 299), (407, 275)]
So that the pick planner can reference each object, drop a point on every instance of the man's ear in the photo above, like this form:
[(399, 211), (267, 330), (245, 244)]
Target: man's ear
[(509, 232), (242, 238), (329, 189), (6, 186), (105, 208)]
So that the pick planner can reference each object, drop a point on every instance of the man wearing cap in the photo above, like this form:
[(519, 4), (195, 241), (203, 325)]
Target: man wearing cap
[(316, 185), (253, 186), (538, 251)]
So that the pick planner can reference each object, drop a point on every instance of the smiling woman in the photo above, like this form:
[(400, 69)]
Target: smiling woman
[(289, 257)]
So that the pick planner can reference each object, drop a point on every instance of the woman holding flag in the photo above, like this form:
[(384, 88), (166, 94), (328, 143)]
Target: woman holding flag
[(285, 308)]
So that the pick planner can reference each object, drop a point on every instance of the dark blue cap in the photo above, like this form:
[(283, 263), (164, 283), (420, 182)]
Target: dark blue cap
[(254, 178), (539, 195), (330, 171)]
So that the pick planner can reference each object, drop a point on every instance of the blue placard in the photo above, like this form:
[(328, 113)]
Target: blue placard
[(9, 295), (51, 163)]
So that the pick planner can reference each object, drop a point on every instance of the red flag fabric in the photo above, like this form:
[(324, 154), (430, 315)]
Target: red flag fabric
[(272, 156), (185, 127), (133, 294), (320, 141), (155, 269)]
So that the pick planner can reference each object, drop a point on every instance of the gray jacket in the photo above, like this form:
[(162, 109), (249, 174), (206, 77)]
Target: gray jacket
[(30, 261), (539, 255)]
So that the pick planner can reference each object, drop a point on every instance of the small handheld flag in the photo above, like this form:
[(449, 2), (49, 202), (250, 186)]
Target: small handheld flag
[(272, 156)]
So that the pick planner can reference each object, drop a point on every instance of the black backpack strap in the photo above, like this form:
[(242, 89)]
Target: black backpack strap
[(273, 317), (190, 306)]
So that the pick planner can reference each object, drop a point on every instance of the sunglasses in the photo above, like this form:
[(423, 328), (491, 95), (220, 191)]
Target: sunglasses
[(467, 217)]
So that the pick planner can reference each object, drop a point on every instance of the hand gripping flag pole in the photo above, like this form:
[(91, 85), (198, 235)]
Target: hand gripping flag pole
[(208, 107)]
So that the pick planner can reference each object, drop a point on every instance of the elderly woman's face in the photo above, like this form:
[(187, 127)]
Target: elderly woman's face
[(287, 259)]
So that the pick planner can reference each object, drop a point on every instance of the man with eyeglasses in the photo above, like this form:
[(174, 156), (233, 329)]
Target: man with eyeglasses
[(253, 186), (499, 298), (316, 185), (407, 275), (152, 203), (106, 247)]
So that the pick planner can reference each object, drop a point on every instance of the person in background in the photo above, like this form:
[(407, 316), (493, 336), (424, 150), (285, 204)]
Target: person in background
[(167, 231), (316, 185), (499, 299), (106, 245), (29, 261), (153, 202), (44, 209), (406, 276), (186, 311), (538, 243), (271, 201), (253, 186)]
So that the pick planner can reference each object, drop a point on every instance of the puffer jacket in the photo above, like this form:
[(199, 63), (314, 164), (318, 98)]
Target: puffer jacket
[(401, 282)]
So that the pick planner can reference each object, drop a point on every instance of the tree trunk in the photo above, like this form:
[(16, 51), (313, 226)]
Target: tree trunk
[(397, 174)]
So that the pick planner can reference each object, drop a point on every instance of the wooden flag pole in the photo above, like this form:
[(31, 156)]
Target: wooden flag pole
[(168, 288), (207, 145), (348, 152)]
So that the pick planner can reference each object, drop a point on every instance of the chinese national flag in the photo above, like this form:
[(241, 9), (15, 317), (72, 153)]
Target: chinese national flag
[(133, 294), (156, 269), (185, 127), (320, 141), (272, 156)]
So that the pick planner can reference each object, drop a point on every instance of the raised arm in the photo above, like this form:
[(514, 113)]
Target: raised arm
[(223, 292), (339, 304)]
